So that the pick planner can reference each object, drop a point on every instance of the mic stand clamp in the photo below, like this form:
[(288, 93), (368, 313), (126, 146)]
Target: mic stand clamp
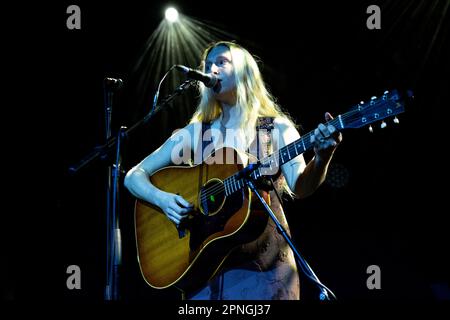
[(246, 175)]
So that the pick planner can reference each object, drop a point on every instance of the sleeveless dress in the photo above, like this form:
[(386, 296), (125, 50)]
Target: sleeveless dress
[(264, 269)]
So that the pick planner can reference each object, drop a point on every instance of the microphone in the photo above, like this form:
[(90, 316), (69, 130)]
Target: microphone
[(209, 80), (113, 84)]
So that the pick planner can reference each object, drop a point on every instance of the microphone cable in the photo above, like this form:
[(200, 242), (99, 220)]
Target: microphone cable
[(155, 98)]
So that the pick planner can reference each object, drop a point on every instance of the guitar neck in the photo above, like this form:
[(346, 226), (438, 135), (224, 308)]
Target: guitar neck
[(278, 158), (296, 148), (388, 105)]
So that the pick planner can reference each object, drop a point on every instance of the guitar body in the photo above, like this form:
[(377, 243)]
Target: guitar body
[(217, 224)]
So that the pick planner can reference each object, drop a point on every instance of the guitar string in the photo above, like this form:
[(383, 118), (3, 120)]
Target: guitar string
[(290, 147), (215, 190), (231, 181)]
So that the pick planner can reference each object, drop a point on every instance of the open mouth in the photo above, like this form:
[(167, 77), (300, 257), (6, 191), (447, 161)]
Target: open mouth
[(218, 86)]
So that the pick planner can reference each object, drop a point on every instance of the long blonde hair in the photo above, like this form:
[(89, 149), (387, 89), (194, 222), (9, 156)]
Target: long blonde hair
[(253, 98)]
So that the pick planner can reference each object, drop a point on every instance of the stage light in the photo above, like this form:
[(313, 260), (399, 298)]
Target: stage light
[(171, 14), (171, 43)]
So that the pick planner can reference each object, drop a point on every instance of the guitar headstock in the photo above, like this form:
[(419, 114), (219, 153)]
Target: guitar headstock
[(388, 105)]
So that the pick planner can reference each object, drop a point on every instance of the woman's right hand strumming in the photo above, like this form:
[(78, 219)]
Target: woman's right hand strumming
[(174, 206)]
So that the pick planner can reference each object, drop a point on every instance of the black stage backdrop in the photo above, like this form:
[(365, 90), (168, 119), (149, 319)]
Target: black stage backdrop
[(388, 209)]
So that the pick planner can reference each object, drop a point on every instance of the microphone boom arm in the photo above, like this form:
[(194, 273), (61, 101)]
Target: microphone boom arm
[(104, 150)]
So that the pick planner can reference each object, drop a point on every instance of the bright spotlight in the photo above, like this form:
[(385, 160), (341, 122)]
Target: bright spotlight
[(172, 14)]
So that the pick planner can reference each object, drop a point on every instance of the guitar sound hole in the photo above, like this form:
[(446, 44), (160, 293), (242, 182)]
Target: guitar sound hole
[(212, 197)]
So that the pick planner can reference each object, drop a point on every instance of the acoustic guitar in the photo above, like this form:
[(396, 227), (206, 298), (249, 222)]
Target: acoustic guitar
[(223, 216)]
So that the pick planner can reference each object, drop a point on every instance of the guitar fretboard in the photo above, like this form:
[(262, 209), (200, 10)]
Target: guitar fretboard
[(275, 160)]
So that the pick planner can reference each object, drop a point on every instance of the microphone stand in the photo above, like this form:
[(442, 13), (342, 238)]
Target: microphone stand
[(249, 180), (113, 235), (103, 152)]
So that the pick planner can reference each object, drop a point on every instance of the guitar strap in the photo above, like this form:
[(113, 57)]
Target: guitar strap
[(264, 140), (263, 136)]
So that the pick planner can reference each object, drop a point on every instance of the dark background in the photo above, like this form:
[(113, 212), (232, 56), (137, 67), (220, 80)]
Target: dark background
[(316, 57)]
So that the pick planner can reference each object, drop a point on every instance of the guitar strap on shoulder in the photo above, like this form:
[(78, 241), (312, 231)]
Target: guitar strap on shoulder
[(264, 140), (263, 136), (264, 148)]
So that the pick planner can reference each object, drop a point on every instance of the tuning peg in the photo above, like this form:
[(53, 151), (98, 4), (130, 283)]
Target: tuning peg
[(396, 120), (386, 92), (383, 125), (372, 100), (370, 129)]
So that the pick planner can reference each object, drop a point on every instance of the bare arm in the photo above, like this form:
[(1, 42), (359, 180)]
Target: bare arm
[(304, 180), (137, 179), (325, 139), (286, 134), (312, 177)]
